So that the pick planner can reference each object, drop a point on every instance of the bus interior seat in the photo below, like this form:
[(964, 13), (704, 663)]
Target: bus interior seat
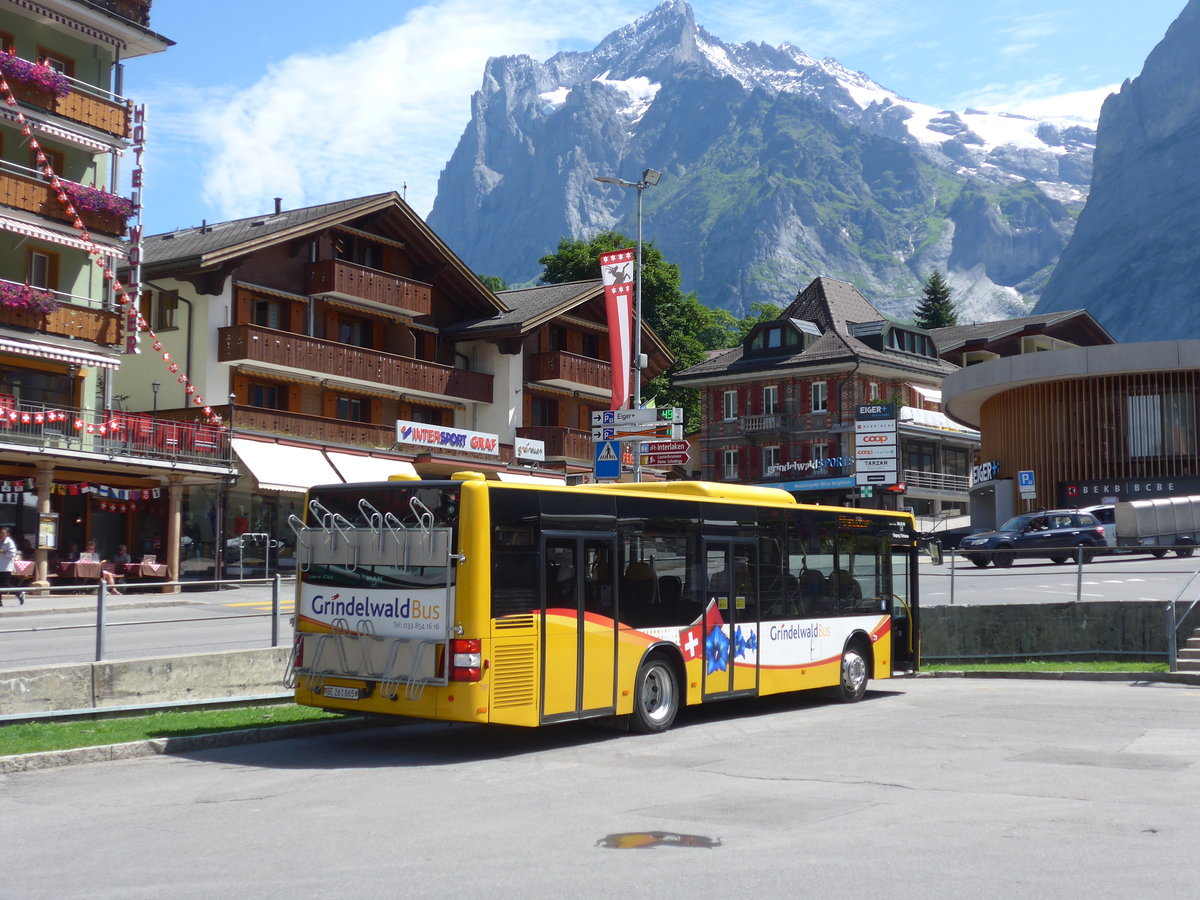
[(639, 584), (670, 590)]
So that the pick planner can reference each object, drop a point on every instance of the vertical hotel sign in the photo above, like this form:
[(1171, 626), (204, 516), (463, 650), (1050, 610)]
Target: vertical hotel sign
[(137, 181), (616, 268)]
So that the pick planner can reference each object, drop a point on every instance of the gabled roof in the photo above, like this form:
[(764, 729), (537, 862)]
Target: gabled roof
[(833, 305), (529, 308), (955, 336), (532, 307), (211, 245)]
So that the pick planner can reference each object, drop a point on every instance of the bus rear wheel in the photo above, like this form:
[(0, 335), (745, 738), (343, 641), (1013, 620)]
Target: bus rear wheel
[(854, 675), (655, 697)]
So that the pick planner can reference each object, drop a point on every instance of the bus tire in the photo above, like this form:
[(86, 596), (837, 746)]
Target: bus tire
[(1184, 550), (1158, 554), (854, 673), (655, 696)]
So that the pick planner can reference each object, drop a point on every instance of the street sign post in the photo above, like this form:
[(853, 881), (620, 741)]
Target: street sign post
[(633, 432), (673, 414)]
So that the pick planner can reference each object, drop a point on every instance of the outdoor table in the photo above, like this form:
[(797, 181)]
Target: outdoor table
[(83, 571)]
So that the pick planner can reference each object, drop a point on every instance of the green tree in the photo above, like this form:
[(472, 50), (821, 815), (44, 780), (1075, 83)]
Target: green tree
[(936, 309), (681, 320), (494, 283)]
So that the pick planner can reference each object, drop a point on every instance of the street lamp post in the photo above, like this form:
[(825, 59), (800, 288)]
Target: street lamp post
[(154, 386), (650, 177)]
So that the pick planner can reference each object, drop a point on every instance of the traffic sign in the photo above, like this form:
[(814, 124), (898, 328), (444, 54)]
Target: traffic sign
[(672, 414), (664, 459), (637, 432), (666, 447), (1027, 485), (608, 459)]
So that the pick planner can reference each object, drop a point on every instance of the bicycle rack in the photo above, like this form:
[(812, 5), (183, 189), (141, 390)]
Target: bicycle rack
[(332, 541)]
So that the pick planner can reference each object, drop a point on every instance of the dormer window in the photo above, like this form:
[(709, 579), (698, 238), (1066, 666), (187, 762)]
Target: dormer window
[(784, 335), (911, 342)]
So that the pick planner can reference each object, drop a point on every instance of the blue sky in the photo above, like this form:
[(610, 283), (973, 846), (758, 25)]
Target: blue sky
[(319, 101)]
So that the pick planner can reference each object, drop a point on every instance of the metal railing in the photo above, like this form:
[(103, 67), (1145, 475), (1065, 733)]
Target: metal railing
[(937, 481), (1177, 626), (136, 435)]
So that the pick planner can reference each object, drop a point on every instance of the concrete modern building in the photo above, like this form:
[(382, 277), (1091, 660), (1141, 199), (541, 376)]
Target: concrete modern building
[(1091, 424)]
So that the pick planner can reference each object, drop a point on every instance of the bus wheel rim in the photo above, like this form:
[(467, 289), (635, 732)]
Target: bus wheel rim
[(658, 698), (854, 671)]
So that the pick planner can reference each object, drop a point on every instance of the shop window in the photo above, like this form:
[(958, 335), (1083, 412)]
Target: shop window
[(770, 459), (770, 399), (353, 409), (730, 464), (356, 332), (543, 411), (41, 269), (730, 405), (64, 65), (820, 396), (268, 313), (265, 395)]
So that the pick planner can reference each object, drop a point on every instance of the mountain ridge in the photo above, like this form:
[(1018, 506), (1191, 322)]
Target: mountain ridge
[(748, 213)]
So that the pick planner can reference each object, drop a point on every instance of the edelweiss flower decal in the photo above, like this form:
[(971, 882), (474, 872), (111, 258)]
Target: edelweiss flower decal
[(717, 651)]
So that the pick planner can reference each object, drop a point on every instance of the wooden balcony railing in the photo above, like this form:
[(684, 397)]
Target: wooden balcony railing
[(81, 105), (99, 326), (32, 193), (335, 276), (250, 343), (561, 443), (557, 365), (333, 431)]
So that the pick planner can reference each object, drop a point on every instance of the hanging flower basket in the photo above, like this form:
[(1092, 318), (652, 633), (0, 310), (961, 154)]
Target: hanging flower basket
[(36, 75), (27, 298), (94, 200)]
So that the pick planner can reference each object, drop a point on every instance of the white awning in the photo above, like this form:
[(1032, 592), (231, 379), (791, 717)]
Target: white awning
[(38, 350), (353, 467), (529, 478), (26, 229), (279, 467), (926, 418), (933, 395), (65, 134)]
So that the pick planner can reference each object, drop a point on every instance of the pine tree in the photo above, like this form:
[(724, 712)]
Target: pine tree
[(936, 309)]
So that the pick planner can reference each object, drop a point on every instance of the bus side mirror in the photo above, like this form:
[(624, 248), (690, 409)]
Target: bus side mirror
[(935, 551)]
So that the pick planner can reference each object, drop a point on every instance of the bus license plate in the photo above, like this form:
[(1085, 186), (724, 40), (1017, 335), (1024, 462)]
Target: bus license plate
[(335, 692)]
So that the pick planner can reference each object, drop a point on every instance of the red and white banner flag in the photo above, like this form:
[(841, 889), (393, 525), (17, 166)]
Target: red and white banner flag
[(616, 268)]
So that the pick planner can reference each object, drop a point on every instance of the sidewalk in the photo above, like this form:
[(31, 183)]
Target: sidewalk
[(39, 601)]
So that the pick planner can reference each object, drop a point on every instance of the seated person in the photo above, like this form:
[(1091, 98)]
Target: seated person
[(843, 588), (107, 575)]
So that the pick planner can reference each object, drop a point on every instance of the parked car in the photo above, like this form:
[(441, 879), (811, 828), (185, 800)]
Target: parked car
[(1056, 534), (1106, 515)]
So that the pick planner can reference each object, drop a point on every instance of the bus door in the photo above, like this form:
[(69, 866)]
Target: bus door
[(579, 625), (906, 648), (730, 617)]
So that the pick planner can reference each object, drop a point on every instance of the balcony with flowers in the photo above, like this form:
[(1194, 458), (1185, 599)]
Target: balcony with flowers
[(42, 87), (95, 208), (30, 308)]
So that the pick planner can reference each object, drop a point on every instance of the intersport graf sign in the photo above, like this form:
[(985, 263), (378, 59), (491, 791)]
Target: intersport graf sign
[(434, 436)]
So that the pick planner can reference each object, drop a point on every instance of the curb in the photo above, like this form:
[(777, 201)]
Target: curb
[(51, 759), (28, 609), (1185, 678)]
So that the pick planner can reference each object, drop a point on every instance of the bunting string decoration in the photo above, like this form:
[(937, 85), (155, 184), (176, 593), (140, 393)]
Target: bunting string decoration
[(94, 249), (106, 493)]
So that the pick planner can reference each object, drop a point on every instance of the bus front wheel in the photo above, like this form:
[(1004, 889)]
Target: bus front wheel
[(656, 698), (854, 675)]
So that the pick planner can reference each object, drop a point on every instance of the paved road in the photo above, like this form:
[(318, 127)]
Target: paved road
[(930, 788)]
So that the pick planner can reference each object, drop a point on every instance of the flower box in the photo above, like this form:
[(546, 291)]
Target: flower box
[(27, 298), (35, 75)]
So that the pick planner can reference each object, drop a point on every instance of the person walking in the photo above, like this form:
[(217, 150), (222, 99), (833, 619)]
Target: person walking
[(8, 563)]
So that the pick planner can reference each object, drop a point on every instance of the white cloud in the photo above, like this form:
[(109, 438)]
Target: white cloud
[(377, 114)]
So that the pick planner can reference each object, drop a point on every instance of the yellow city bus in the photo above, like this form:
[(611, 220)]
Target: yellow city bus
[(478, 601)]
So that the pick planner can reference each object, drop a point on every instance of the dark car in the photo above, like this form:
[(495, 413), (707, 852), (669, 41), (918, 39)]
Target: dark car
[(1056, 534)]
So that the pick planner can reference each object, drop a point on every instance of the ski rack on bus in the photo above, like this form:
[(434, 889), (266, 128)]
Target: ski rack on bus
[(357, 651)]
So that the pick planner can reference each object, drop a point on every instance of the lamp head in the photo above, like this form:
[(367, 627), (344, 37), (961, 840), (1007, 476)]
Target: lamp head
[(651, 177)]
